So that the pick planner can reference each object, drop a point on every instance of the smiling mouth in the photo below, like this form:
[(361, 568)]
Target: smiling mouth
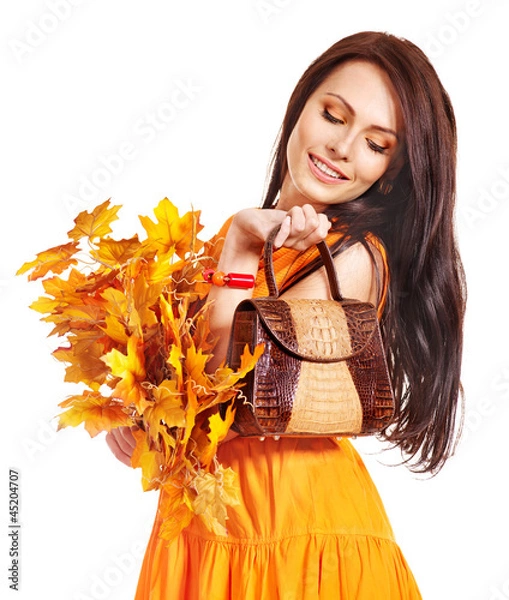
[(325, 169)]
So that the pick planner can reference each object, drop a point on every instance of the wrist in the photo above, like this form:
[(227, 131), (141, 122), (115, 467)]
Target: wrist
[(240, 253)]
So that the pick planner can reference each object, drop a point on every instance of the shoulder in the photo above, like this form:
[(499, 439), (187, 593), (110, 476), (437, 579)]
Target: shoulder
[(361, 271), (368, 258)]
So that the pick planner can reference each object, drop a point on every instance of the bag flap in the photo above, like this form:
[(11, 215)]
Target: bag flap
[(317, 330)]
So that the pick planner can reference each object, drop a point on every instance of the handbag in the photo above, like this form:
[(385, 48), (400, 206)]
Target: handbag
[(323, 371)]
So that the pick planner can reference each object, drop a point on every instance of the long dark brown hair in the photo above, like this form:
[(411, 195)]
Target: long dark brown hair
[(423, 319)]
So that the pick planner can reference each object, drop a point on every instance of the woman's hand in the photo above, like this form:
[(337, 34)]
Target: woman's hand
[(301, 227), (122, 443)]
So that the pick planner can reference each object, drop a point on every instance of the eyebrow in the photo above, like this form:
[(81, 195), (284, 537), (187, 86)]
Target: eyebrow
[(351, 110)]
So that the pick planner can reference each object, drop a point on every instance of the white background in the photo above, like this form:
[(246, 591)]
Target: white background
[(81, 80)]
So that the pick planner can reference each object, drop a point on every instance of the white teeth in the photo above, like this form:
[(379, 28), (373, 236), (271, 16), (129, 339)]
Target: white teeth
[(325, 169)]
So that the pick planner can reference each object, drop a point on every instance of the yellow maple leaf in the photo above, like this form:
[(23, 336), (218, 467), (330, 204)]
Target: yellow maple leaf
[(218, 428), (130, 369), (230, 491), (116, 302), (161, 268), (97, 412), (184, 233), (171, 233), (94, 224), (202, 336), (213, 492), (56, 260), (169, 322), (45, 305), (167, 409), (175, 360), (145, 295)]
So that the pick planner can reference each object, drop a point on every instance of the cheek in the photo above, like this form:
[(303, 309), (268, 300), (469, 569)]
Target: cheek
[(304, 134), (294, 150), (371, 167)]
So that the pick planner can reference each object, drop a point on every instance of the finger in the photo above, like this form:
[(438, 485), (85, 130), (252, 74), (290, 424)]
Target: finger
[(117, 451), (128, 439), (310, 215), (322, 228), (314, 233), (298, 221), (283, 232)]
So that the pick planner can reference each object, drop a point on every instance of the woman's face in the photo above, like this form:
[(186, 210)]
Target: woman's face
[(348, 135)]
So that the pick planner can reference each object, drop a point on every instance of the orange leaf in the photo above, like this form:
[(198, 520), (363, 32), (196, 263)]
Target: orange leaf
[(224, 377), (145, 296), (85, 358), (115, 253), (66, 290), (195, 362), (97, 412), (94, 224), (176, 510), (192, 410), (56, 259), (115, 330), (130, 369), (148, 460)]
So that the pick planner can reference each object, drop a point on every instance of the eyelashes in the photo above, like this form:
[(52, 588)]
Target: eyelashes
[(328, 117), (337, 121), (375, 147)]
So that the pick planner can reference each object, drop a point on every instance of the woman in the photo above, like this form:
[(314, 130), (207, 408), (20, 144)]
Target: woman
[(366, 161)]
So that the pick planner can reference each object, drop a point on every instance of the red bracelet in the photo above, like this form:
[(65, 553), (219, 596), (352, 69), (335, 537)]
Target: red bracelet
[(235, 280)]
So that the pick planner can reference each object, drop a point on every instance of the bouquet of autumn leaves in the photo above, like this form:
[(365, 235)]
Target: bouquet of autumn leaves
[(134, 318)]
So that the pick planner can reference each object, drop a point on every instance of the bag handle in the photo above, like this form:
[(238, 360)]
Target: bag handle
[(327, 260)]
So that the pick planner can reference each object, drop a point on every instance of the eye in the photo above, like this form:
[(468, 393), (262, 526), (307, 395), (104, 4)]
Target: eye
[(328, 117), (375, 147)]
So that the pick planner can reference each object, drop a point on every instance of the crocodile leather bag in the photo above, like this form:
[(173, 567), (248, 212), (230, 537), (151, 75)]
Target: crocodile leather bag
[(323, 371)]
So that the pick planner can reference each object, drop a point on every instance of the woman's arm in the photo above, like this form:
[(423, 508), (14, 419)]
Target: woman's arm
[(301, 227)]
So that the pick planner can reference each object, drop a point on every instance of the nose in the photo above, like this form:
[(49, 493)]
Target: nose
[(340, 145)]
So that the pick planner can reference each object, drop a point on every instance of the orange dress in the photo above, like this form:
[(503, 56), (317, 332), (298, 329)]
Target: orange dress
[(310, 525)]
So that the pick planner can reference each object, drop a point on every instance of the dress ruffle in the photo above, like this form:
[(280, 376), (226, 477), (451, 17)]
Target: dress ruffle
[(311, 525)]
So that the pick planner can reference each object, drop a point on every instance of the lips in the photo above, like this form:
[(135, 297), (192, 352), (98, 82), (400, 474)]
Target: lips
[(325, 171)]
